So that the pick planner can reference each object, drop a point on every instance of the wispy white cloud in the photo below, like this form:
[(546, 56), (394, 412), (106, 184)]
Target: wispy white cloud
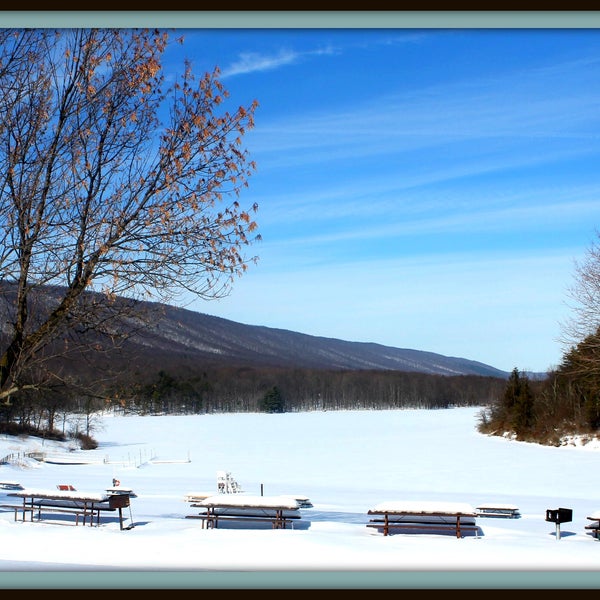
[(251, 62), (416, 206), (517, 218), (509, 111)]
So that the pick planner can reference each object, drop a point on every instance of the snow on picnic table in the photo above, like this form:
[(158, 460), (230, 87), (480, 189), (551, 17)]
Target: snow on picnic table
[(424, 507), (248, 501), (59, 494)]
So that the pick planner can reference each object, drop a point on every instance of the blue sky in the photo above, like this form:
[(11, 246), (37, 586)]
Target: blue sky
[(419, 188)]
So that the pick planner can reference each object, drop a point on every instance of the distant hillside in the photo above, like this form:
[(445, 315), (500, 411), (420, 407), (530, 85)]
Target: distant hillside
[(152, 358), (176, 338), (221, 342)]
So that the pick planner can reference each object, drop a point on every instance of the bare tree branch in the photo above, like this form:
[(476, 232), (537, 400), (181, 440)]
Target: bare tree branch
[(112, 182), (585, 297)]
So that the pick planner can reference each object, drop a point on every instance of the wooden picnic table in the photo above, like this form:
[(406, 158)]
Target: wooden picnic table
[(10, 485), (195, 497), (77, 503), (429, 517), (594, 526), (278, 510)]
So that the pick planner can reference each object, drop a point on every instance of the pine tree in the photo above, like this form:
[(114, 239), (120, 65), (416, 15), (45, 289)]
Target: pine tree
[(272, 401), (518, 401)]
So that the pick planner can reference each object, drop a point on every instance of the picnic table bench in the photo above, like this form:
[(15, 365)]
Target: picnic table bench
[(427, 517), (506, 511), (278, 510), (594, 526), (16, 508)]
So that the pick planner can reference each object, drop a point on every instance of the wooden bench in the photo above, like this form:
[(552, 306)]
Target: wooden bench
[(17, 508), (427, 517), (39, 507), (46, 507), (594, 526), (502, 511), (92, 511), (212, 520)]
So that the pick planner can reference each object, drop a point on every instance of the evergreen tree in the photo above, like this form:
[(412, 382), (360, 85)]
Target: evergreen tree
[(272, 401), (518, 403)]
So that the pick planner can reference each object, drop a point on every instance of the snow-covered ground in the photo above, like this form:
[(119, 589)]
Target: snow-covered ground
[(346, 463)]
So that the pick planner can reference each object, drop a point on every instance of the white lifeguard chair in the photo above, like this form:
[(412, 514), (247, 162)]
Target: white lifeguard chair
[(226, 484)]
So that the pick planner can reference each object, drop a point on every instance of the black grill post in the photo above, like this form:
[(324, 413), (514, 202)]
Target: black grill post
[(558, 516)]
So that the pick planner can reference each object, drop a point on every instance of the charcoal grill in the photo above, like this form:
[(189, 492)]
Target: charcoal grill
[(558, 516)]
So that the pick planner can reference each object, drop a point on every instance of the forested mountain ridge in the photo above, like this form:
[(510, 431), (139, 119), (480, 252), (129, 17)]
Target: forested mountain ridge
[(154, 358), (221, 342), (161, 336)]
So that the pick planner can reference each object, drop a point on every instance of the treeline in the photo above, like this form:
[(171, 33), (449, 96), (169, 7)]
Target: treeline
[(565, 403), (299, 390), (69, 412)]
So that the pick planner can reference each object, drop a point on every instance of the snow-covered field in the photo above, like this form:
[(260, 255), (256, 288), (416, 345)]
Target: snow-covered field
[(346, 463)]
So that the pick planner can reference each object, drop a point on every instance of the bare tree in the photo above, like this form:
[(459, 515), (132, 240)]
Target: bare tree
[(584, 294), (114, 181)]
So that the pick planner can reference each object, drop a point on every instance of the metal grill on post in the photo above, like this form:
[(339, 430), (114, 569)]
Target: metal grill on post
[(119, 501), (558, 516)]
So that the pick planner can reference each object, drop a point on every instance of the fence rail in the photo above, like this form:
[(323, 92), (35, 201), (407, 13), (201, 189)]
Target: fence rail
[(16, 456)]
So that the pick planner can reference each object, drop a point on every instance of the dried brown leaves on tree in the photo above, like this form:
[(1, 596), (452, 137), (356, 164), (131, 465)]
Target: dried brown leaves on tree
[(114, 179)]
